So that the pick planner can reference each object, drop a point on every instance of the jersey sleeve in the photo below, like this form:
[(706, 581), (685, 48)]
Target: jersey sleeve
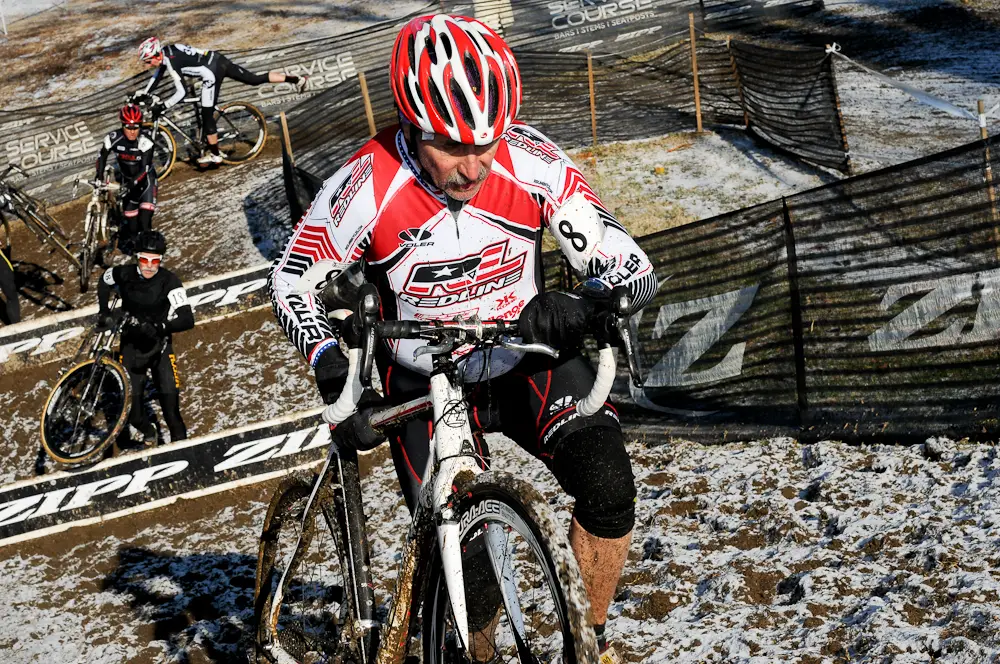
[(332, 235), (175, 76), (180, 316), (553, 178), (146, 165)]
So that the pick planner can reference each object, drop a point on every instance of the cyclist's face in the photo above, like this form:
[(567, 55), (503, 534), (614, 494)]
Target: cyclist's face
[(155, 61), (131, 134), (458, 170), (149, 264)]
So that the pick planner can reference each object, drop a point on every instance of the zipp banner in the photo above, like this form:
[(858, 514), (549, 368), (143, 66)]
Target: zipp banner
[(57, 337), (143, 481)]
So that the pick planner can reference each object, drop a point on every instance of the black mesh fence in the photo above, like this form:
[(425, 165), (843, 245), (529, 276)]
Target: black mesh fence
[(636, 96), (868, 310), (617, 26), (790, 99)]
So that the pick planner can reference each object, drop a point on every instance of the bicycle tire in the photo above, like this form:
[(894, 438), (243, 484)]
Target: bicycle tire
[(89, 248), (49, 232), (244, 137), (164, 150), (305, 628), (558, 621), (114, 398)]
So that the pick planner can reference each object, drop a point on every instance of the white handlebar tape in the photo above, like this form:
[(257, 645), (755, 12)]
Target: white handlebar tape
[(347, 402), (606, 371)]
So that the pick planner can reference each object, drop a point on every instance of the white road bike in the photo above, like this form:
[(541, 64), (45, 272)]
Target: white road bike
[(487, 573)]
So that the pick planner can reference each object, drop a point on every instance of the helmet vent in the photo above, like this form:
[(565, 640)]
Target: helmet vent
[(461, 104), (472, 73), (494, 100), (446, 43), (431, 51), (440, 106)]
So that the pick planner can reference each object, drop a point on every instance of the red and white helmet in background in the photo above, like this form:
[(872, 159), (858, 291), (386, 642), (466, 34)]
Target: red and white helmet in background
[(149, 49), (455, 76), (130, 114)]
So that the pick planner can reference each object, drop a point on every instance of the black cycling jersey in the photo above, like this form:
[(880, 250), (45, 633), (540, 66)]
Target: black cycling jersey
[(160, 300), (134, 159)]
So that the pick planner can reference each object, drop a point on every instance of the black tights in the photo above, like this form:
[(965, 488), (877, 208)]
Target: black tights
[(170, 404)]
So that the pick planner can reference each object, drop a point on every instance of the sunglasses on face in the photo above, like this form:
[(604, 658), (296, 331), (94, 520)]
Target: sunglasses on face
[(131, 126), (150, 259)]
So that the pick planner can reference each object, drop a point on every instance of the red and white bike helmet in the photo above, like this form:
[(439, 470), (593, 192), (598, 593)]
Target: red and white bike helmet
[(149, 49), (130, 114), (455, 76)]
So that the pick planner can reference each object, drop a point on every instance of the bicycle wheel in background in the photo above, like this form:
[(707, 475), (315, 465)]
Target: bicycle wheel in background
[(301, 568), (86, 411), (538, 609), (89, 249), (164, 150), (242, 131)]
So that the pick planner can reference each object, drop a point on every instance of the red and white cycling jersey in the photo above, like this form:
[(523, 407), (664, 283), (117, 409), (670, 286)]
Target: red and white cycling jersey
[(430, 262)]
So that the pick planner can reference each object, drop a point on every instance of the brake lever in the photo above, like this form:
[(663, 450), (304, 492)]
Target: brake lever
[(621, 310), (368, 306), (529, 348)]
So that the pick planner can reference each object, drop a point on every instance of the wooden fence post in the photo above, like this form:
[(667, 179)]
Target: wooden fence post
[(739, 83), (694, 71), (989, 175), (368, 103), (593, 100), (285, 140)]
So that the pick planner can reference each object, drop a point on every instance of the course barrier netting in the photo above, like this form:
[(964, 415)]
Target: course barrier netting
[(58, 142), (867, 309), (786, 97)]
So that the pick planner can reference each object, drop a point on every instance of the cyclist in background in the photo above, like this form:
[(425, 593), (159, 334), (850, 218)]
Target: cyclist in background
[(158, 304), (211, 67), (133, 151), (446, 213), (10, 312)]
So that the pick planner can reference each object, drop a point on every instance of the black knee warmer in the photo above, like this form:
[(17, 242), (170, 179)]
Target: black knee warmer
[(593, 466)]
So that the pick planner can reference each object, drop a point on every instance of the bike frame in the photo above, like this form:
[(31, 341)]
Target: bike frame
[(102, 199)]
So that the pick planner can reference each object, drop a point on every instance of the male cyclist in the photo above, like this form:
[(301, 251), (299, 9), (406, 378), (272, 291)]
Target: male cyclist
[(133, 151), (158, 305), (211, 67), (446, 213)]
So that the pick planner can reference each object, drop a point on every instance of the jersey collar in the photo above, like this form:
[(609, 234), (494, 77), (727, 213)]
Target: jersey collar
[(416, 169)]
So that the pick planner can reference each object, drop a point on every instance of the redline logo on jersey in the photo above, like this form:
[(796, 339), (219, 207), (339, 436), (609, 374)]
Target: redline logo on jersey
[(345, 193), (50, 147), (443, 283)]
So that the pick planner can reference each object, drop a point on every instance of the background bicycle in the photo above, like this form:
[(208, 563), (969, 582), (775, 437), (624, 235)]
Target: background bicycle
[(89, 405), (498, 581), (15, 203), (101, 223), (242, 132)]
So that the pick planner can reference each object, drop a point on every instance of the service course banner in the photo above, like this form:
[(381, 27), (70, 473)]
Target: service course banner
[(143, 481), (57, 337)]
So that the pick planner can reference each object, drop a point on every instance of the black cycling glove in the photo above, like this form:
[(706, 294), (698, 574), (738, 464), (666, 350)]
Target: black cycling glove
[(149, 330), (356, 434), (556, 319)]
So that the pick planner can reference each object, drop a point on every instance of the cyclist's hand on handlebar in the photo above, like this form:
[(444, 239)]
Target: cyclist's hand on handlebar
[(556, 319), (105, 322), (356, 433), (331, 373)]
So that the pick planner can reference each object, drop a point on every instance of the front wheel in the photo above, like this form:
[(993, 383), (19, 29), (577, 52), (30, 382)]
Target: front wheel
[(242, 131), (89, 250), (86, 411), (164, 149), (526, 600)]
